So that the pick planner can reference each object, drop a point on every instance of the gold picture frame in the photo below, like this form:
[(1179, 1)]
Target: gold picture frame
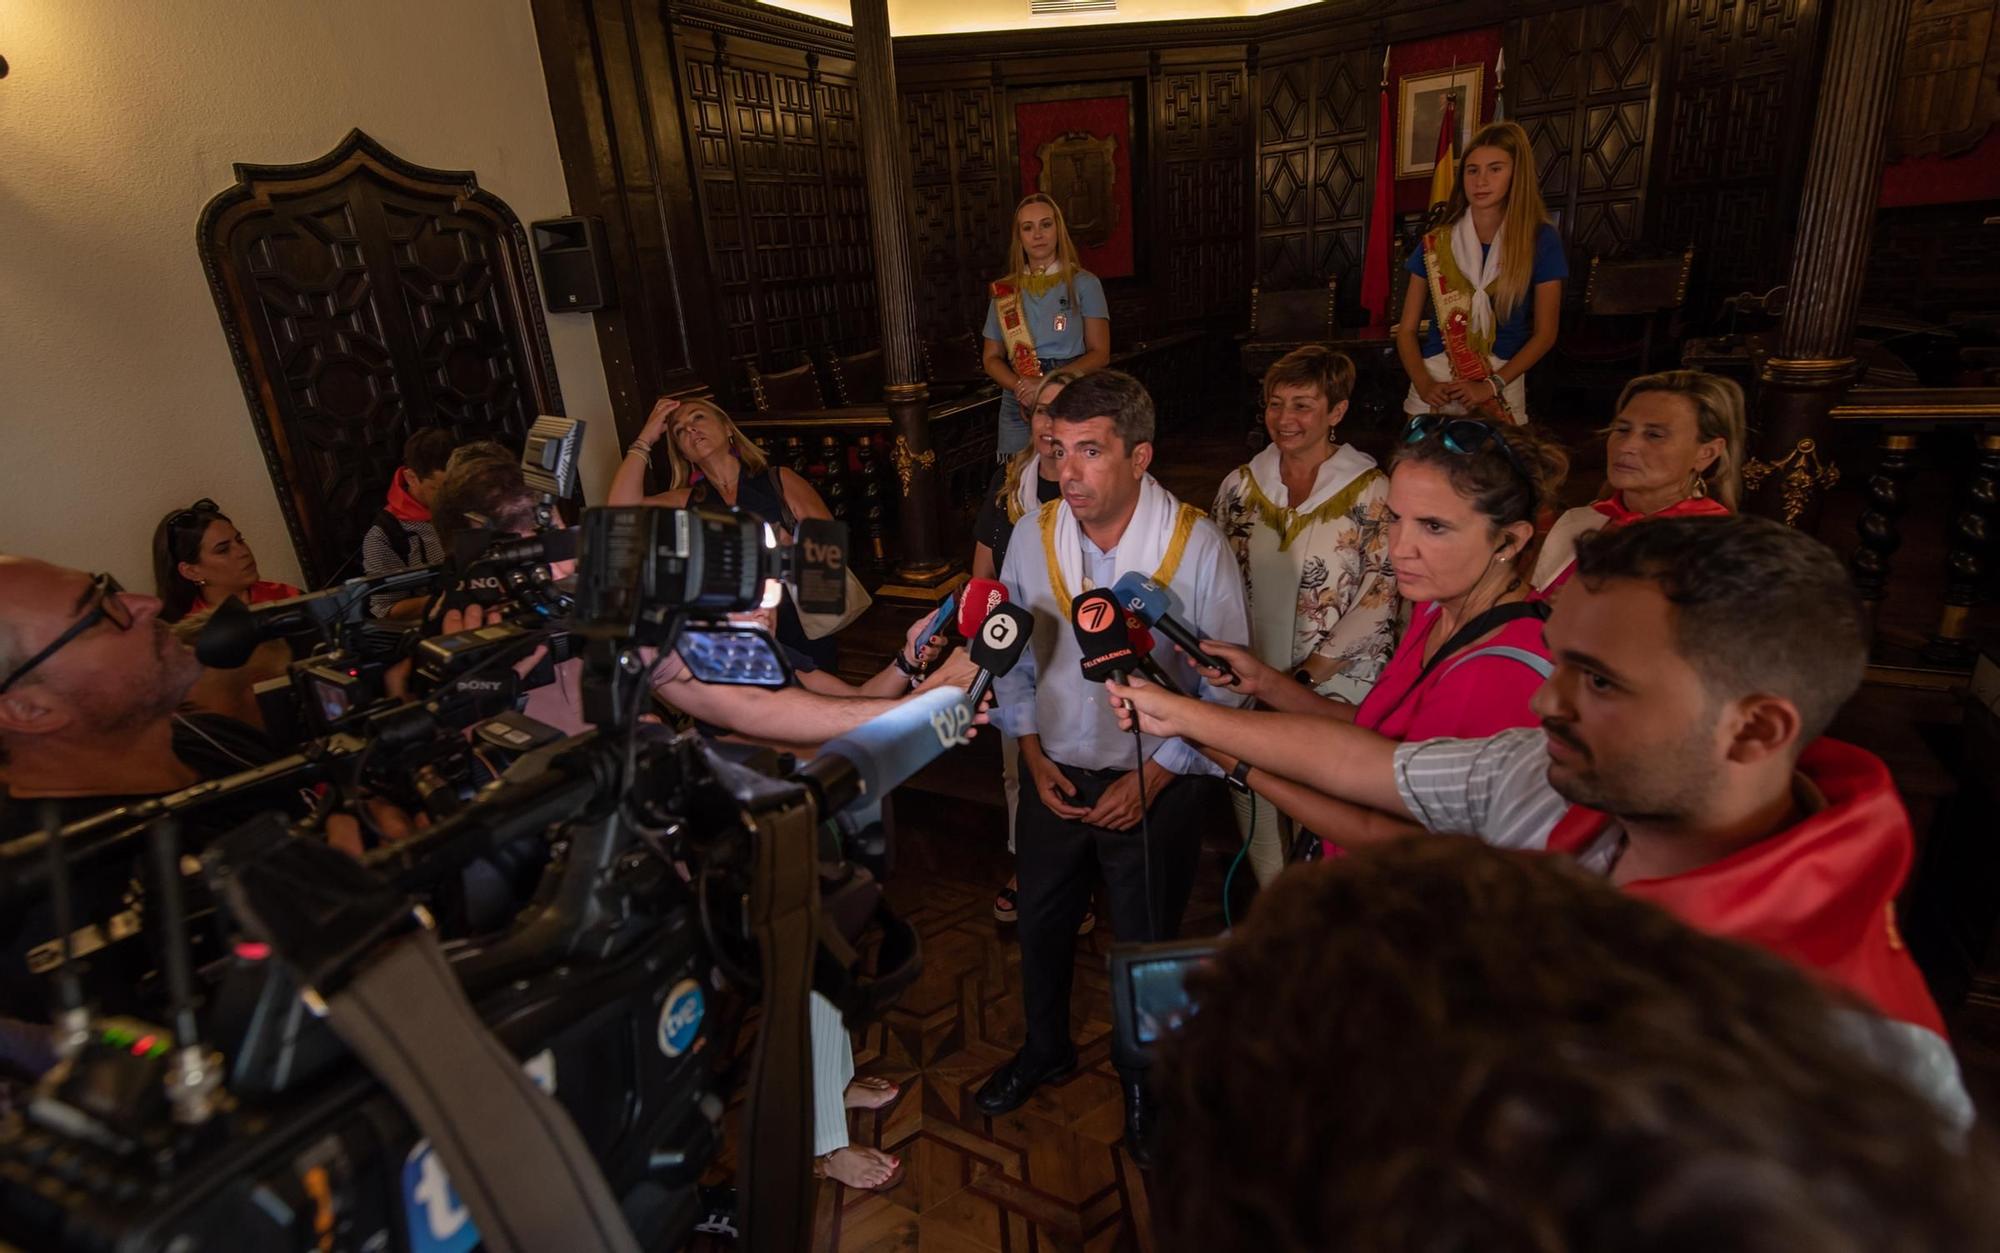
[(1420, 111)]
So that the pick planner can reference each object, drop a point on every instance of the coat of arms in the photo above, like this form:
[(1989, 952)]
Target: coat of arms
[(1080, 171)]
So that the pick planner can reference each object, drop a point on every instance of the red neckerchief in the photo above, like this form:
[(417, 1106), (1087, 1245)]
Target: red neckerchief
[(1613, 507), (258, 593), (1821, 894), (404, 506)]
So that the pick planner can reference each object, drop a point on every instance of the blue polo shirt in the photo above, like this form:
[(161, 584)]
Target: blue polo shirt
[(1512, 332), (1051, 344)]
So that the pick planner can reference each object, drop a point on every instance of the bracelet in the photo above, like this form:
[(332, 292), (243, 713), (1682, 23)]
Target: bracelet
[(907, 666), (641, 447)]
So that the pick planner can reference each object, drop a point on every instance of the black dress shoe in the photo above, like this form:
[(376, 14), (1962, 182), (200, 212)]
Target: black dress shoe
[(1141, 1123), (1012, 1084)]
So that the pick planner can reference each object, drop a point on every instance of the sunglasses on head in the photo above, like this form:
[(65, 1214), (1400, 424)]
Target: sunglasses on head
[(104, 605), (1463, 436), (203, 511)]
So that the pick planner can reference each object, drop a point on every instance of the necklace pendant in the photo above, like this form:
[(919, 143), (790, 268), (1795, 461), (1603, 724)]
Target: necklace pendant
[(1061, 323)]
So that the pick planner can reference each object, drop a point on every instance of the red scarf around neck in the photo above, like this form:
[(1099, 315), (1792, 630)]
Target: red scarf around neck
[(1821, 894), (404, 506), (1613, 507)]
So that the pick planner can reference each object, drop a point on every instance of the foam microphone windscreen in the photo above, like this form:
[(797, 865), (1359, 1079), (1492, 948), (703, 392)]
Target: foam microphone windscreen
[(1143, 597), (1101, 636), (887, 750), (228, 637), (980, 597)]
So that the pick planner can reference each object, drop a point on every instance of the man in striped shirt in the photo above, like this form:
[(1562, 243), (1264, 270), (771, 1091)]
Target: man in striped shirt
[(1698, 661)]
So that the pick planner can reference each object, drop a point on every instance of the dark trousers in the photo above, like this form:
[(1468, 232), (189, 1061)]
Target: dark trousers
[(1056, 860)]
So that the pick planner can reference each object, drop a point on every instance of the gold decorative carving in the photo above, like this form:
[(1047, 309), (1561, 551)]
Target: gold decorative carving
[(907, 461), (1804, 474), (1808, 371), (905, 391)]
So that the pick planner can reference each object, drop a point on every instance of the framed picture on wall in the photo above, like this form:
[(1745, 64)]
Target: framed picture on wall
[(1420, 113), (1076, 143)]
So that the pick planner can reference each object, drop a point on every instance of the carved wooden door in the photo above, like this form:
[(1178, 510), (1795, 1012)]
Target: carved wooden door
[(365, 298)]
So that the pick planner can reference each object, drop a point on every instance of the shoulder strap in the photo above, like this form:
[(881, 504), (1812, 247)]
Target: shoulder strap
[(698, 492), (1497, 616), (1534, 661), (785, 514), (394, 535)]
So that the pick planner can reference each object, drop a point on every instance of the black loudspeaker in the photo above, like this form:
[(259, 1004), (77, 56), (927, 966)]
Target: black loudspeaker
[(576, 266)]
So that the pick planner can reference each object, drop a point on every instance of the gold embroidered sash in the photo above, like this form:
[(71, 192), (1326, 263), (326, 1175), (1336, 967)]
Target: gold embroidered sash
[(1451, 306), (1014, 333), (1184, 520)]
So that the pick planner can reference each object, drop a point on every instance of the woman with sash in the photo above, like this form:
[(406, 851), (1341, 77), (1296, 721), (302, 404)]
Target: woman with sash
[(1307, 519), (1019, 488), (1490, 275), (1048, 312), (1675, 450), (1463, 498)]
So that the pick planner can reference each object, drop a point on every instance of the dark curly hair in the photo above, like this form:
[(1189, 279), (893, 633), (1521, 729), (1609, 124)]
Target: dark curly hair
[(1808, 641), (1437, 1046), (1488, 478)]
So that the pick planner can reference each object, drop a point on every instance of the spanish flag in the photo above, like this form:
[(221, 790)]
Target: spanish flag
[(1445, 177)]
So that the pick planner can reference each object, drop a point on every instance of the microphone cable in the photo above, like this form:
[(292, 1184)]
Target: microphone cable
[(1145, 831)]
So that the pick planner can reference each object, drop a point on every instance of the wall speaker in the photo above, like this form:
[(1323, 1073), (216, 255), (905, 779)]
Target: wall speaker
[(576, 266)]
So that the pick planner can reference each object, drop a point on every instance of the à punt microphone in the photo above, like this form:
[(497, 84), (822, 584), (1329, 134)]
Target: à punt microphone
[(1000, 641)]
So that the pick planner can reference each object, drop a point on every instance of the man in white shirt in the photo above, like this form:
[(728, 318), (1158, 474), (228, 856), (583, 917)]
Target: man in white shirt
[(1096, 790)]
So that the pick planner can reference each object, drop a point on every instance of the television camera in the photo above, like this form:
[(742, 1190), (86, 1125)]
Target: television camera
[(314, 1064)]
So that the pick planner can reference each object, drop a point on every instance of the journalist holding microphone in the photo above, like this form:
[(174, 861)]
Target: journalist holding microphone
[(1098, 800)]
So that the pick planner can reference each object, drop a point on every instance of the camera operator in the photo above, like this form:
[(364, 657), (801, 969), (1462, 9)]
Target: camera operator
[(402, 536), (1437, 1045), (1697, 660)]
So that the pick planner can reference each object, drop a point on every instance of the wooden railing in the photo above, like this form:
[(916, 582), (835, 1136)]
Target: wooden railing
[(845, 452), (1902, 416)]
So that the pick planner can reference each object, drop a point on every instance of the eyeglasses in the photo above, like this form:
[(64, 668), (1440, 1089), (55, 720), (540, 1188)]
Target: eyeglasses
[(1464, 436), (104, 593)]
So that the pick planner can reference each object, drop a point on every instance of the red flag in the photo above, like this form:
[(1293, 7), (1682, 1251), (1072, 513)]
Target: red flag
[(1376, 290)]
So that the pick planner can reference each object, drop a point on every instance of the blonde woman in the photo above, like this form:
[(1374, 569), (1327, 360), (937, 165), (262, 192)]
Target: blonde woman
[(713, 461), (1675, 450), (1048, 312), (1490, 276), (1308, 521)]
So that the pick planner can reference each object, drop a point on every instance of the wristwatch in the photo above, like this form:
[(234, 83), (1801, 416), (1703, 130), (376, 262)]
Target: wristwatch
[(1239, 778)]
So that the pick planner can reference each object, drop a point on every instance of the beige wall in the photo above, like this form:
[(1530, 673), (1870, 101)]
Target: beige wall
[(118, 121)]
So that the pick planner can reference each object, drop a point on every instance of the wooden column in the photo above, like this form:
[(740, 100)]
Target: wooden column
[(923, 564), (1814, 364)]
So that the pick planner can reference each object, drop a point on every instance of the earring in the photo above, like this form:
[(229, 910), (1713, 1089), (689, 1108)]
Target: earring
[(1700, 488)]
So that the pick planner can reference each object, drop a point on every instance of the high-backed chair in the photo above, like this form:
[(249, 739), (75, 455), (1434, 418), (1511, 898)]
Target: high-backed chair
[(857, 377), (794, 389), (1650, 292), (1292, 318)]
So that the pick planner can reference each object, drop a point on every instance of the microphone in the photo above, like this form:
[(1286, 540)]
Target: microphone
[(1100, 633), (1002, 638), (1154, 605), (980, 597), (1142, 643), (876, 757)]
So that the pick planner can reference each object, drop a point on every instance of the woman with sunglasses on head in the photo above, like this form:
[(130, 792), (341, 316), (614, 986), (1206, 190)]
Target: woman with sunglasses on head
[(1048, 312), (200, 560), (1463, 498), (1491, 277), (712, 462), (1675, 450)]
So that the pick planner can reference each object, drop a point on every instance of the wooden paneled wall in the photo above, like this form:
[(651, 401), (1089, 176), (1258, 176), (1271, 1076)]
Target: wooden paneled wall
[(1191, 199), (717, 140)]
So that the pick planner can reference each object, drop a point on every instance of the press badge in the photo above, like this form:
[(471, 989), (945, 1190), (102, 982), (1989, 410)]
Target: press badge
[(1061, 323)]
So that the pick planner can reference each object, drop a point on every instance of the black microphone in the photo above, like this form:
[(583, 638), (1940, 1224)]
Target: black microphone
[(1154, 605), (1142, 642), (1101, 635), (997, 645)]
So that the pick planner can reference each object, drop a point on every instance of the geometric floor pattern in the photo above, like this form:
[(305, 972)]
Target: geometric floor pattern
[(1052, 1175)]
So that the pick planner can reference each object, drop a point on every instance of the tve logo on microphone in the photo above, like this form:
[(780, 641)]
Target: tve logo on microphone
[(951, 724)]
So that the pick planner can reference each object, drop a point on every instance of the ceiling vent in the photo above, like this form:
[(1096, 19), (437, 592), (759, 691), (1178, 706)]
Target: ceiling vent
[(1063, 8)]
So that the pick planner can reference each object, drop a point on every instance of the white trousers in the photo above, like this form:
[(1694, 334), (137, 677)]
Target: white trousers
[(1516, 392), (833, 1070)]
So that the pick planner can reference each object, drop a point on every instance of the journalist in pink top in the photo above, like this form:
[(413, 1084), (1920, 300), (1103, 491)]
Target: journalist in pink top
[(1463, 497)]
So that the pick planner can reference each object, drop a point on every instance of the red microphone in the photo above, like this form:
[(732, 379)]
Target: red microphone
[(980, 597)]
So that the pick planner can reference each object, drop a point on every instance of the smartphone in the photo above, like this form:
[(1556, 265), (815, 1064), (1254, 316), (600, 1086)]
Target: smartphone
[(726, 653), (946, 615)]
